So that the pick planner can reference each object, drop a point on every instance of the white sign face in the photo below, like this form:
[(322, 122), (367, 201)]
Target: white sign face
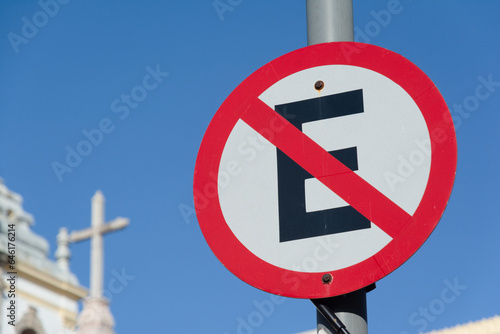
[(325, 170), (389, 127)]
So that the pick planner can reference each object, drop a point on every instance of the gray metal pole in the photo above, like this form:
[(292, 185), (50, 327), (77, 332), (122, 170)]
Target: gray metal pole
[(351, 311), (329, 21), (332, 21)]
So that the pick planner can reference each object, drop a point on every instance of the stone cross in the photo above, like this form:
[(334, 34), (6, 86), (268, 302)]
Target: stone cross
[(95, 233)]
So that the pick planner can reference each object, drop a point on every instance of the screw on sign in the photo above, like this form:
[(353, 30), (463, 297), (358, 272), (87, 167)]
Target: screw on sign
[(290, 180)]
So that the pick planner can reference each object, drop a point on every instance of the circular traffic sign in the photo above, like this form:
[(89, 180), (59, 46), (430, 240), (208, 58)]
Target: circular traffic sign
[(325, 170)]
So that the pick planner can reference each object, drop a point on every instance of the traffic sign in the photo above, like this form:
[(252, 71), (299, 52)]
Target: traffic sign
[(325, 170)]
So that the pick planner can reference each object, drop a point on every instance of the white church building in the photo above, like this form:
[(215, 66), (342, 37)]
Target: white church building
[(40, 295)]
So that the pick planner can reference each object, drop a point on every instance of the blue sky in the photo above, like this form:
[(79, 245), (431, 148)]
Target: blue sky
[(72, 72)]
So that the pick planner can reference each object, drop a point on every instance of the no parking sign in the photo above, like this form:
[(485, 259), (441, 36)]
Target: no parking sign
[(325, 170)]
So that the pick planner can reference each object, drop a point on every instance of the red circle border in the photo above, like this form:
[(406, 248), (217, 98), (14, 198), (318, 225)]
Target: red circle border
[(265, 276)]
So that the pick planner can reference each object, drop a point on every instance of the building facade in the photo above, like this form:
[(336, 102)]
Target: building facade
[(39, 295), (484, 326)]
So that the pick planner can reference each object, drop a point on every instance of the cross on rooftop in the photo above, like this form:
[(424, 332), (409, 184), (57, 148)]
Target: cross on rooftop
[(95, 233)]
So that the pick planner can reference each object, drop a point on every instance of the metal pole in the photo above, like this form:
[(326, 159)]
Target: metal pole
[(350, 309), (332, 21), (329, 21)]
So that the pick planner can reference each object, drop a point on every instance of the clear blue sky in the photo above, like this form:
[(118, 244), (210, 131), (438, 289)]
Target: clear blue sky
[(72, 72)]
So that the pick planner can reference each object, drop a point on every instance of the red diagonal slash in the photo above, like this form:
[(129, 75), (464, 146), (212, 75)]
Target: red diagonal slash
[(362, 196)]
